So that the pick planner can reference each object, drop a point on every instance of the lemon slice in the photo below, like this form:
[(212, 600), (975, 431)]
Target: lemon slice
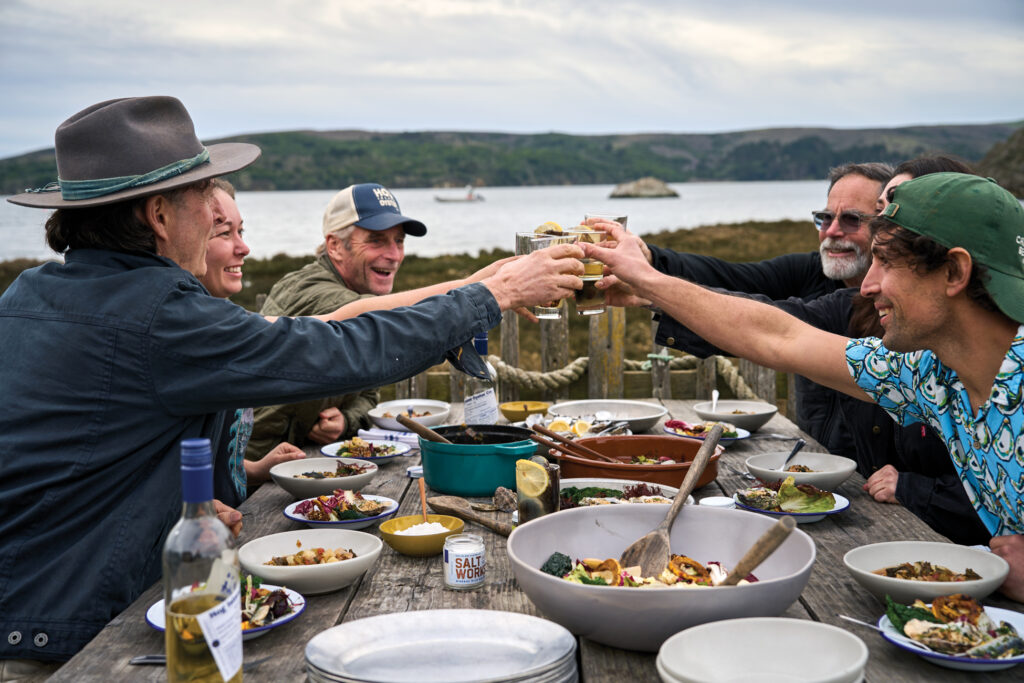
[(532, 479), (580, 427), (559, 426), (549, 228)]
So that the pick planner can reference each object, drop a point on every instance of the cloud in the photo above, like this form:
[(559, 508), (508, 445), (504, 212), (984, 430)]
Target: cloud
[(573, 66)]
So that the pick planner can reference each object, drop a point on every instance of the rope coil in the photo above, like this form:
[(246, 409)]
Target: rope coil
[(562, 377)]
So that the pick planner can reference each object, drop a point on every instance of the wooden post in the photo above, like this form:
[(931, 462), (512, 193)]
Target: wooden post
[(661, 377), (707, 378), (791, 396), (456, 385), (760, 379), (414, 387), (508, 391), (606, 343), (554, 350)]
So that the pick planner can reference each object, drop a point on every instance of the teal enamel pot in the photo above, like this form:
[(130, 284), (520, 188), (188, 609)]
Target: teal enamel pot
[(480, 458)]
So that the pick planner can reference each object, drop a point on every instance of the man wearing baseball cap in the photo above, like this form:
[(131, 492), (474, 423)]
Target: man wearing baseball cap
[(113, 357), (364, 245), (947, 281)]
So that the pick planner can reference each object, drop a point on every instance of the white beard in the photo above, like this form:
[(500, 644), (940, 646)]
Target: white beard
[(844, 268)]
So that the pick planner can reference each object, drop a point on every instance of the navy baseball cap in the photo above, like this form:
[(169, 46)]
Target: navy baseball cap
[(369, 206)]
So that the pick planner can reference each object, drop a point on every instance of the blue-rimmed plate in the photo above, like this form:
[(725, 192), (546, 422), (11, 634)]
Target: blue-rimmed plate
[(331, 450), (361, 523), (155, 616), (740, 434), (800, 517), (997, 615)]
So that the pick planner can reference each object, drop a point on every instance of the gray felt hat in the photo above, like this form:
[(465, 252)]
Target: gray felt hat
[(131, 147)]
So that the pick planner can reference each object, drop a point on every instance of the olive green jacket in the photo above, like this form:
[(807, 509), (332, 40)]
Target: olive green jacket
[(315, 289)]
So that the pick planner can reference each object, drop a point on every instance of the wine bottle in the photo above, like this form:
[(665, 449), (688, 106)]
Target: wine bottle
[(202, 593), (481, 404)]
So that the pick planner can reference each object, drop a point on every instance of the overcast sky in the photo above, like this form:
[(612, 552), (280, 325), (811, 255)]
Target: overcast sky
[(574, 66)]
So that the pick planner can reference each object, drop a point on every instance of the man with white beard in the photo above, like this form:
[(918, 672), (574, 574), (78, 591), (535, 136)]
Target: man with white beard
[(842, 259)]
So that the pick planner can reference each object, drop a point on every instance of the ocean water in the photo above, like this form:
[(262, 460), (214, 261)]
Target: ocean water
[(289, 222)]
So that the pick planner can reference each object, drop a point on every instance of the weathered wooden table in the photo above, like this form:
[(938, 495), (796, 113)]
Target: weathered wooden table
[(398, 584)]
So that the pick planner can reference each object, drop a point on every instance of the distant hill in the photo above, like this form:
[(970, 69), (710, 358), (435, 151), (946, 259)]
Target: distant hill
[(307, 160), (1005, 163)]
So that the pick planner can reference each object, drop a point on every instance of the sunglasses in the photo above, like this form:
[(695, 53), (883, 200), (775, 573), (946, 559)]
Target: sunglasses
[(849, 221)]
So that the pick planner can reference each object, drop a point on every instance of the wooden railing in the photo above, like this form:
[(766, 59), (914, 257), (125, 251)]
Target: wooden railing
[(606, 375)]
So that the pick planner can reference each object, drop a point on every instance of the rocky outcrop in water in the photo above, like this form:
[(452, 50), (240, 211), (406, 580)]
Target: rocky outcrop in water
[(644, 187)]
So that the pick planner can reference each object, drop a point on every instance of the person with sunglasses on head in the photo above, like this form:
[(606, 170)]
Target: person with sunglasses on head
[(113, 357), (946, 282), (841, 261)]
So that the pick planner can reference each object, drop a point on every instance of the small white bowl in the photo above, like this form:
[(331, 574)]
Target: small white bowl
[(723, 502), (438, 413), (763, 649), (751, 415), (284, 475), (829, 470), (863, 561), (316, 578)]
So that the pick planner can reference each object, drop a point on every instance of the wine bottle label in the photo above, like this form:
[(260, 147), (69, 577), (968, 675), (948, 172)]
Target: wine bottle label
[(222, 630), (481, 408)]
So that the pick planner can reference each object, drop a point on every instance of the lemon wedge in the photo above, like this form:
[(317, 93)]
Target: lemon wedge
[(549, 228), (532, 479), (559, 426), (580, 427)]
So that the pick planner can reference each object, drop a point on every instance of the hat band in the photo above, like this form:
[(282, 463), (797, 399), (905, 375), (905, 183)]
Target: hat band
[(71, 190)]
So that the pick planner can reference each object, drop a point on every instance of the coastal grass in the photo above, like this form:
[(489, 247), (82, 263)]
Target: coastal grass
[(737, 242)]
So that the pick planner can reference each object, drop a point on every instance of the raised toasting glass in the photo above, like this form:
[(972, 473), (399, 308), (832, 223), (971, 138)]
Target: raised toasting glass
[(534, 241)]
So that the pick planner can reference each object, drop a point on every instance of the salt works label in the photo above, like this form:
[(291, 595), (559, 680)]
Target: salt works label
[(464, 562)]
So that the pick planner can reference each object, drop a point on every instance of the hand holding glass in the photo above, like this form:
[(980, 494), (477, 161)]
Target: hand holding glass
[(528, 242)]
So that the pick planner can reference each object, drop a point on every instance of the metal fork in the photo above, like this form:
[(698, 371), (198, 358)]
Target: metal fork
[(745, 475)]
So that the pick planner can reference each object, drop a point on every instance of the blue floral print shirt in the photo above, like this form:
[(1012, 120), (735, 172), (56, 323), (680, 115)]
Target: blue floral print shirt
[(987, 448)]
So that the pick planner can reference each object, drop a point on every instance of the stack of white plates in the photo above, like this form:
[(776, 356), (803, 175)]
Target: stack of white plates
[(444, 646), (765, 649)]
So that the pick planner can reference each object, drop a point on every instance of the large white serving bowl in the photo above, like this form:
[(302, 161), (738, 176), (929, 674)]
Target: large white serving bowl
[(643, 618), (751, 416), (763, 649), (862, 561), (640, 415), (284, 475), (316, 578), (829, 470), (438, 413)]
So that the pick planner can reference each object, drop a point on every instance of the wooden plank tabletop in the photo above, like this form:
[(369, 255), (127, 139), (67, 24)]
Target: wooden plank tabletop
[(398, 583)]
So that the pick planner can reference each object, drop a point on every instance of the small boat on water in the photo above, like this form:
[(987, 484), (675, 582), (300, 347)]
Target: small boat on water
[(470, 196)]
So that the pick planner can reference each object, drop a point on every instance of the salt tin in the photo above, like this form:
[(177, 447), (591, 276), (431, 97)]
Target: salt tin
[(464, 562)]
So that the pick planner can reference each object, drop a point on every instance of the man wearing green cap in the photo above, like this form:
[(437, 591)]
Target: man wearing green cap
[(947, 281)]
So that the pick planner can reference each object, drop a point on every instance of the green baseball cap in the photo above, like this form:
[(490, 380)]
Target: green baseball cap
[(975, 213)]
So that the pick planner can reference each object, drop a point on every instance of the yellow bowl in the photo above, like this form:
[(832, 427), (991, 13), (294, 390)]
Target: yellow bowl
[(516, 411), (419, 546)]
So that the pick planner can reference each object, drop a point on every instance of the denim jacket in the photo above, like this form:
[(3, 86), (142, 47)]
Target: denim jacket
[(107, 362)]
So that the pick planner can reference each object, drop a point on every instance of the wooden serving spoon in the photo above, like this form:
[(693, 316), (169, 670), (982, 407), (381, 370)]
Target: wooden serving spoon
[(459, 507), (762, 548), (653, 551), (426, 432)]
